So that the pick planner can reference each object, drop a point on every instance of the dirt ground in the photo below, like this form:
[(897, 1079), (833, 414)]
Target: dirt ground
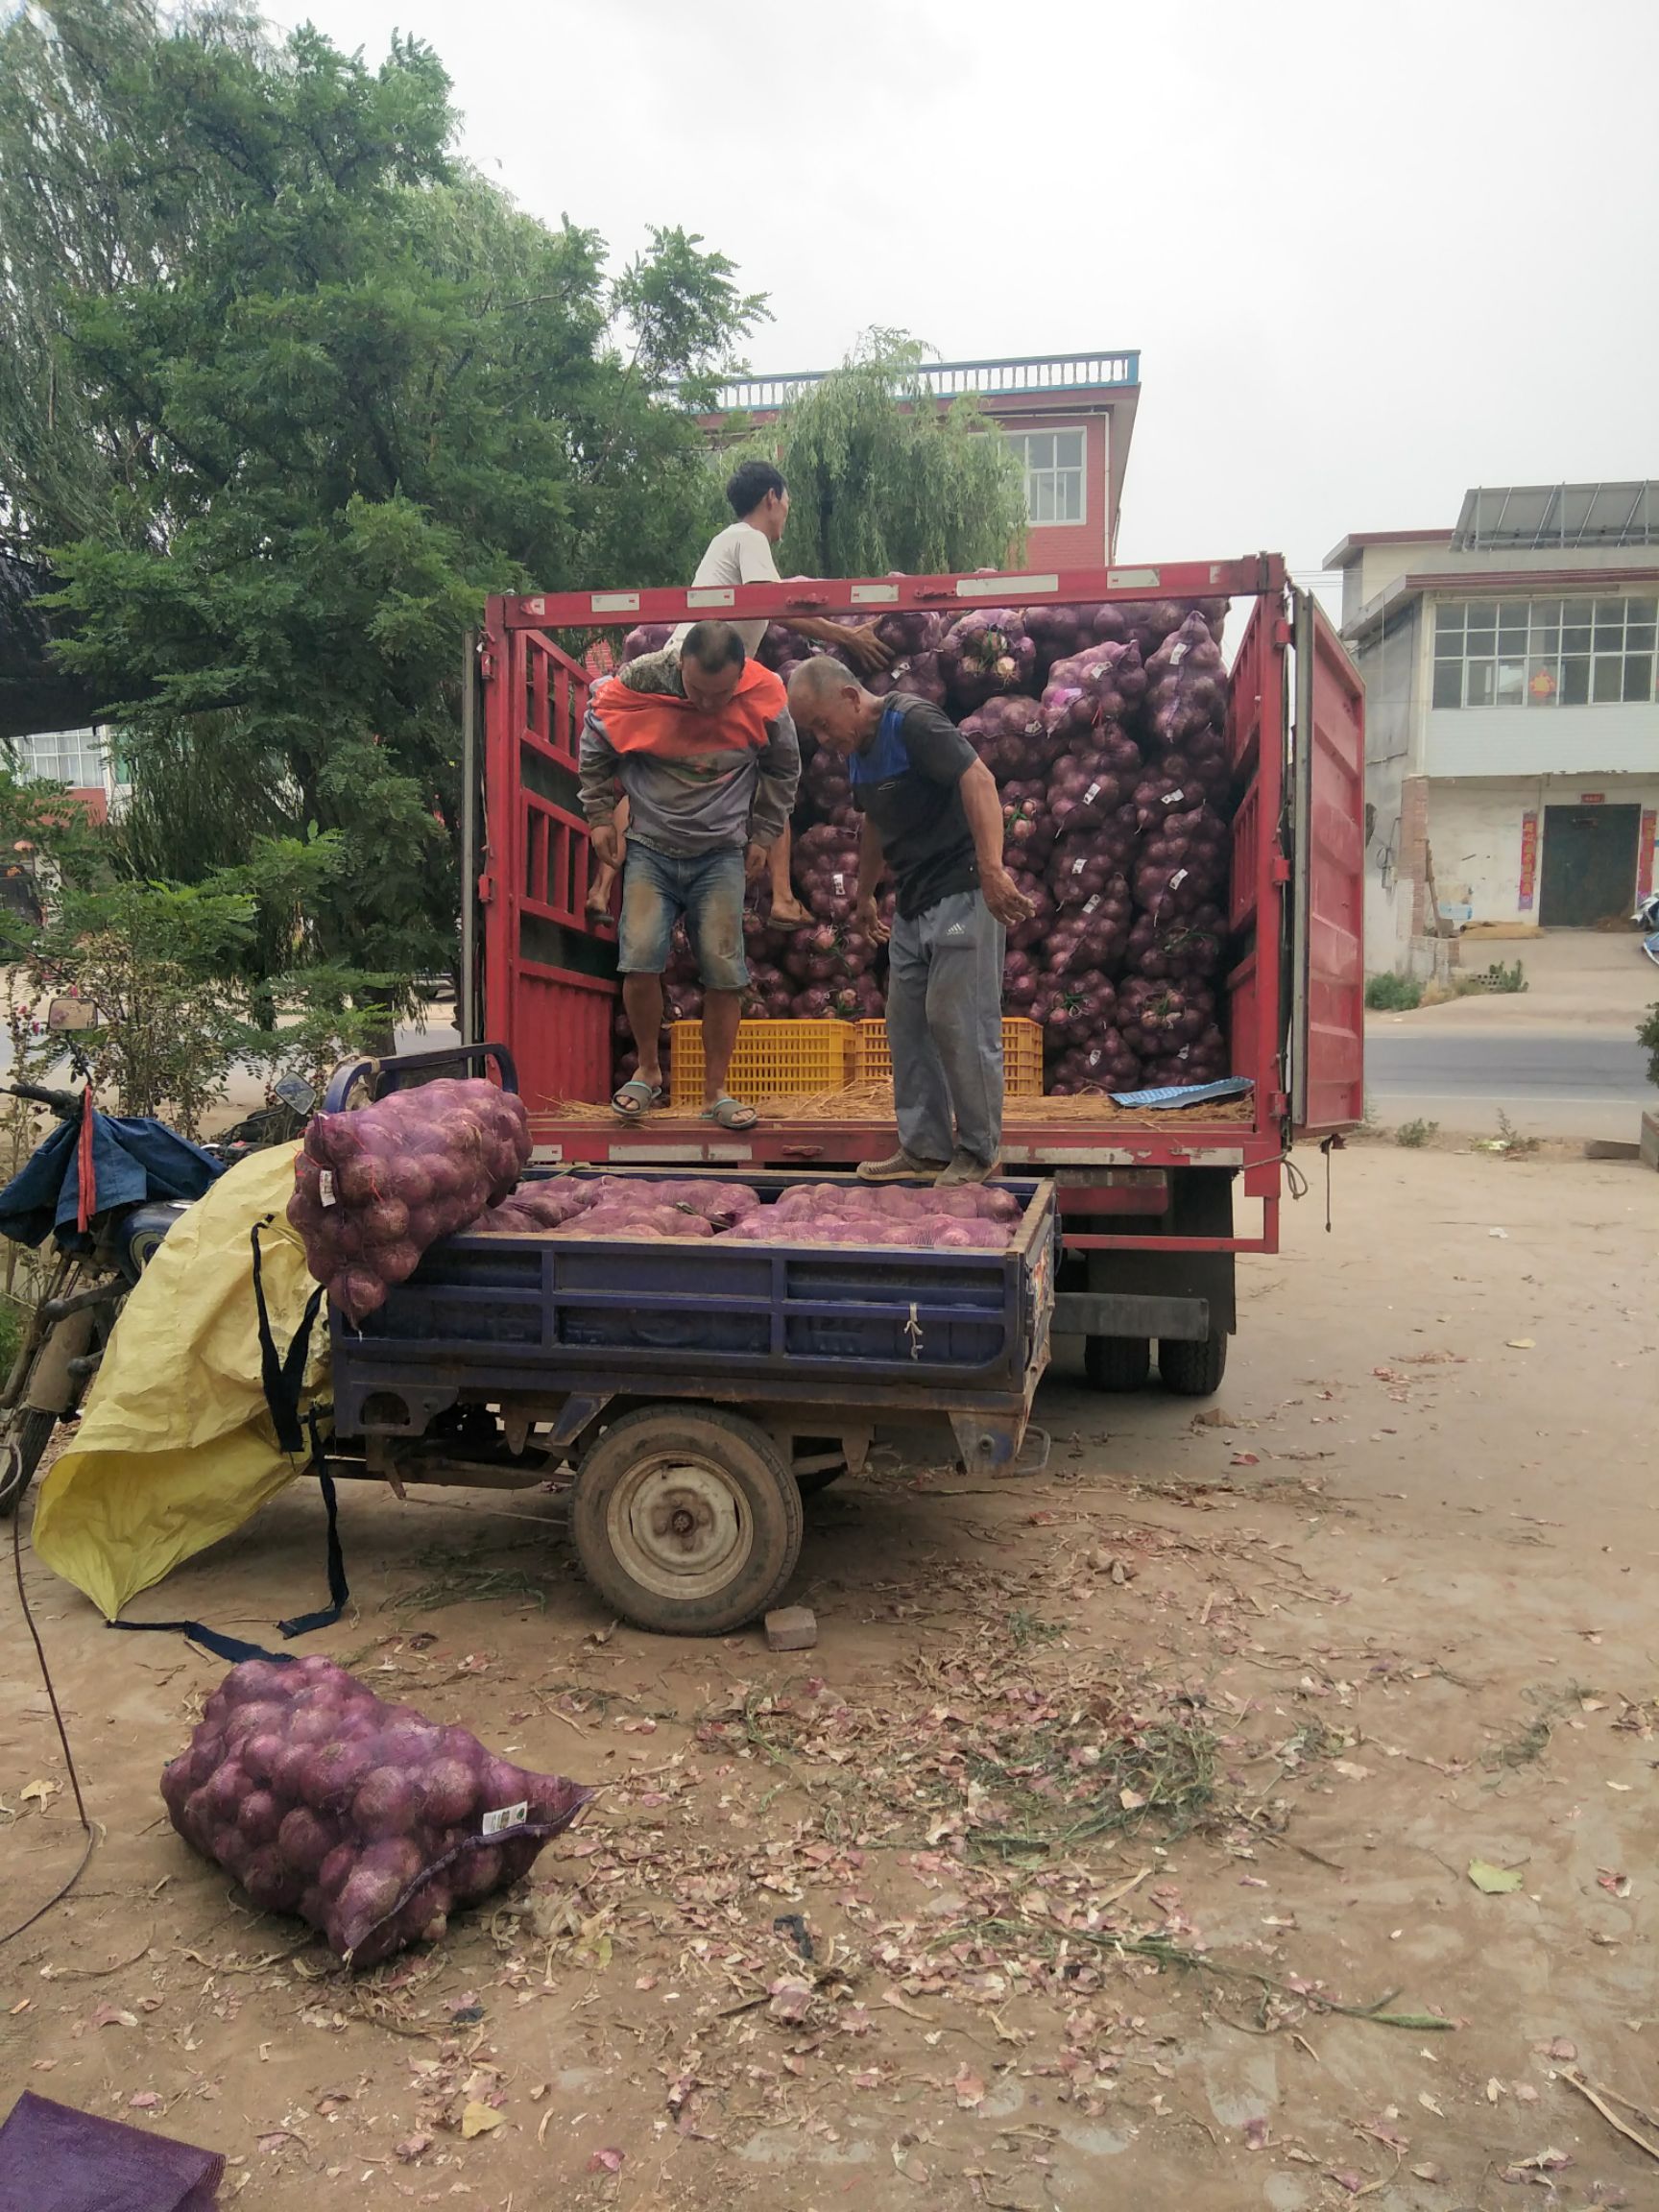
[(1128, 1810)]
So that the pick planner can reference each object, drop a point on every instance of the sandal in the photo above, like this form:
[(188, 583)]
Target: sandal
[(731, 1114), (634, 1100)]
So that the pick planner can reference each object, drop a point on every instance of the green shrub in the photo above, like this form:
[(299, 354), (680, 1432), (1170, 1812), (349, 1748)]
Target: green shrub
[(1497, 977), (1394, 994), (1647, 1037), (1415, 1135)]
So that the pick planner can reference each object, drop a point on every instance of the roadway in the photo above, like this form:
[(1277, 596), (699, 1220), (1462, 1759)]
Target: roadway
[(1550, 1083)]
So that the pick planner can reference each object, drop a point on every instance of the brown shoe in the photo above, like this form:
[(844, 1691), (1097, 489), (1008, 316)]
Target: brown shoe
[(899, 1167), (964, 1169)]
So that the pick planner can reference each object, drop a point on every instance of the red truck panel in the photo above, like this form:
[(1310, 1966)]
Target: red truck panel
[(1327, 968), (548, 983)]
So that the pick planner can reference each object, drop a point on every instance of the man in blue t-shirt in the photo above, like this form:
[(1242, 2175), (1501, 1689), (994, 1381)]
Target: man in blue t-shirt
[(932, 817)]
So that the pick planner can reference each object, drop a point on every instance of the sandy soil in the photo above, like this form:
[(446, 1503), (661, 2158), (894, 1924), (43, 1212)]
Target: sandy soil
[(1101, 1793)]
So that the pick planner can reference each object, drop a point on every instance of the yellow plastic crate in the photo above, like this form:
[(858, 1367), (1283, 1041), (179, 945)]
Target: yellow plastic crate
[(1021, 1056), (769, 1060)]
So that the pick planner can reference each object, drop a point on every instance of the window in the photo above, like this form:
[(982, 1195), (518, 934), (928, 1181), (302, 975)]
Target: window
[(1544, 652), (72, 757), (1053, 474)]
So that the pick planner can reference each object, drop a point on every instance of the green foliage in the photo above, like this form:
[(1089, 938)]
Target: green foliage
[(1415, 1135), (1500, 978), (292, 390), (1647, 1037), (1390, 994), (153, 959), (879, 479)]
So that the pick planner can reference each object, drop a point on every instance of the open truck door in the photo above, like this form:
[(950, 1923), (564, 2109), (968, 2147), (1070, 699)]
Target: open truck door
[(1327, 784), (549, 980)]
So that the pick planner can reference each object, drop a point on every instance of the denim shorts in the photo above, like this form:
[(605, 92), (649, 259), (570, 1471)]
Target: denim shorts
[(707, 888)]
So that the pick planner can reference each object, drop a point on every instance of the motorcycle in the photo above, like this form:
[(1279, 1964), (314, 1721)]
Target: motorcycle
[(1647, 920), (105, 1190)]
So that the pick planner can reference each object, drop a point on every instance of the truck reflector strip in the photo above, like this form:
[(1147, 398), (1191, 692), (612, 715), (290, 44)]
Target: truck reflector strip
[(1004, 586)]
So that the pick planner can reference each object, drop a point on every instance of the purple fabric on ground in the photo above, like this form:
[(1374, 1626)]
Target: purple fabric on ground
[(56, 2159)]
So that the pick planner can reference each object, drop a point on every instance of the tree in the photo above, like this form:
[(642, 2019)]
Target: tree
[(313, 388), (880, 479)]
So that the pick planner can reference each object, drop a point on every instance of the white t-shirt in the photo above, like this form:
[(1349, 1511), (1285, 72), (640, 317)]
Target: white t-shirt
[(740, 554)]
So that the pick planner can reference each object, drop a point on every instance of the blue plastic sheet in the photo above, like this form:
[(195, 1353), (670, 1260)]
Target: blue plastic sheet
[(1186, 1093), (132, 1161)]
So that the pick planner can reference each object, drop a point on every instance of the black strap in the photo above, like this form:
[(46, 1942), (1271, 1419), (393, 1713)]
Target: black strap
[(339, 1589), (231, 1649), (282, 1376)]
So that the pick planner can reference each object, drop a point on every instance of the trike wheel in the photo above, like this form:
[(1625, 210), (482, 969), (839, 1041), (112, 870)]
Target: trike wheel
[(686, 1521)]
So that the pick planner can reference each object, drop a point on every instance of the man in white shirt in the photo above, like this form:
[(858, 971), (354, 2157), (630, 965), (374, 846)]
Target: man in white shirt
[(742, 554)]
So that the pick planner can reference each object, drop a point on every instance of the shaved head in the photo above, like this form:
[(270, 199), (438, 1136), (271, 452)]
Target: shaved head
[(829, 703), (818, 680)]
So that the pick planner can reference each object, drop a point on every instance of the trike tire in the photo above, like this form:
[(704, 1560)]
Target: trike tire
[(686, 1521)]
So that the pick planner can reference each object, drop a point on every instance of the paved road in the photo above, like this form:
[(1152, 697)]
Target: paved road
[(1554, 1083)]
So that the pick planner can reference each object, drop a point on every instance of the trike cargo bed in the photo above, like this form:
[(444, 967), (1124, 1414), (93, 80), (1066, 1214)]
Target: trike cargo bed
[(864, 1325)]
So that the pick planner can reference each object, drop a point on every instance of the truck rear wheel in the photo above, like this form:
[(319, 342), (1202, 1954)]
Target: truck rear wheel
[(1193, 1370), (686, 1520), (1118, 1362)]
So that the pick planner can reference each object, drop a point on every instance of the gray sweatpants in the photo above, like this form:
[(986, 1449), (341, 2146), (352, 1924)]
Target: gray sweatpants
[(945, 1029)]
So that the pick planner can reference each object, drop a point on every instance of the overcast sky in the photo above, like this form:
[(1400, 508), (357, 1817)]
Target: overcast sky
[(1370, 255)]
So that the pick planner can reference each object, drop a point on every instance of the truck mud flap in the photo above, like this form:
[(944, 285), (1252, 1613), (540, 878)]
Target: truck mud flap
[(1127, 1313)]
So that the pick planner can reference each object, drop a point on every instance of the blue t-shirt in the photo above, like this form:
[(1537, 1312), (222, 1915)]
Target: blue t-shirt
[(907, 779)]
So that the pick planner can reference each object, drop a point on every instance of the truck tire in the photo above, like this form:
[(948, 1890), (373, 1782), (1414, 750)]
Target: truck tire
[(686, 1520), (1118, 1362), (1193, 1370), (26, 1436)]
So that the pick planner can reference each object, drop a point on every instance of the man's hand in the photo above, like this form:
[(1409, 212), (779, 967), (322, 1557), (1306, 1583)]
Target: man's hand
[(867, 918), (607, 844), (754, 862), (1004, 898), (867, 649)]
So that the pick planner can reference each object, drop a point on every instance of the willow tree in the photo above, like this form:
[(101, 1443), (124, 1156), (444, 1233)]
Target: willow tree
[(881, 477)]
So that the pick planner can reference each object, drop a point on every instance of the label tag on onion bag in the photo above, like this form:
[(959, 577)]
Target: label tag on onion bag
[(505, 1817), (326, 1187), (1177, 654), (1174, 798)]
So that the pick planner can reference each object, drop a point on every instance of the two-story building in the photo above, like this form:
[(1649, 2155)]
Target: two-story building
[(1069, 416), (1511, 719)]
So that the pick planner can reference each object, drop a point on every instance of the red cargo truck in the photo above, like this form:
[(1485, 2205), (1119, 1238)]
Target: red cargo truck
[(1147, 1202)]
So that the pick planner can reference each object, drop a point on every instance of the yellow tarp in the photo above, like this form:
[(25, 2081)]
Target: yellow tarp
[(175, 1448)]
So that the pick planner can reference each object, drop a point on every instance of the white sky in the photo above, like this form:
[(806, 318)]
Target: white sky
[(1371, 254)]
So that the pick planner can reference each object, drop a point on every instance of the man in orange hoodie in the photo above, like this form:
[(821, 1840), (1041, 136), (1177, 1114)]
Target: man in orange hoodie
[(702, 745)]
